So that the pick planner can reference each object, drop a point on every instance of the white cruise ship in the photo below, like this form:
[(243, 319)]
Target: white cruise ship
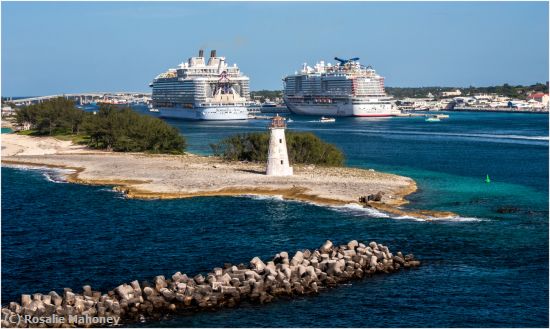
[(345, 89), (200, 90)]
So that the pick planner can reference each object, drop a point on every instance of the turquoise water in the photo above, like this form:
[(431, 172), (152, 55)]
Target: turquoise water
[(483, 269), (449, 159), (6, 130)]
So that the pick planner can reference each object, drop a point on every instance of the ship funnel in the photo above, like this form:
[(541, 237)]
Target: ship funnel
[(213, 53), (201, 53)]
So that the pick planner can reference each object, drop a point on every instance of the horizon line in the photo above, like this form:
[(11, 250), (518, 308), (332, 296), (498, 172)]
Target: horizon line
[(258, 90)]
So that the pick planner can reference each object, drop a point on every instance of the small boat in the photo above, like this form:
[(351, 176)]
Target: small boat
[(487, 179), (433, 119), (289, 120), (442, 116), (153, 110), (323, 119)]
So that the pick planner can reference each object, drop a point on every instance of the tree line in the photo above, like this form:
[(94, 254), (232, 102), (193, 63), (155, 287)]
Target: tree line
[(518, 91), (111, 128), (266, 94), (507, 90), (303, 148)]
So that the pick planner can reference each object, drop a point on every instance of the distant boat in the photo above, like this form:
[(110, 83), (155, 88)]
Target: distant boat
[(153, 110), (323, 119), (487, 179), (442, 116), (269, 104), (432, 119), (289, 120)]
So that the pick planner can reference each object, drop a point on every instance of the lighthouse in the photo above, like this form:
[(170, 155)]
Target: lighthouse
[(277, 158)]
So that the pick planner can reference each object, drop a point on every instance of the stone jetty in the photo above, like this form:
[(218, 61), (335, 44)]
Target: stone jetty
[(305, 272)]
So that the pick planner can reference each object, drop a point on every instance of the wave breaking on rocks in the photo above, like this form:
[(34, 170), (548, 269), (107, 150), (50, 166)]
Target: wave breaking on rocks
[(306, 272)]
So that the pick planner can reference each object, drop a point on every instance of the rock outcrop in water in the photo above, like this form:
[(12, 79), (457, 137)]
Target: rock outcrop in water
[(305, 272)]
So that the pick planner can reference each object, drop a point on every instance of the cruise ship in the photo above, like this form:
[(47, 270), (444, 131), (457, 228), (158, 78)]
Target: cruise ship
[(200, 90), (344, 89)]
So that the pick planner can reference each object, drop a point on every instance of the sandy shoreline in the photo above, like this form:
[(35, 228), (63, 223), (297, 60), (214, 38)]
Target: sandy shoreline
[(8, 122), (148, 176)]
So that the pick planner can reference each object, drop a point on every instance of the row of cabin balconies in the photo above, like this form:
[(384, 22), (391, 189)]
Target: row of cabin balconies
[(342, 93)]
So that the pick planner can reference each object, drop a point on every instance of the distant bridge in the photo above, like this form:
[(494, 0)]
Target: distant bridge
[(79, 98)]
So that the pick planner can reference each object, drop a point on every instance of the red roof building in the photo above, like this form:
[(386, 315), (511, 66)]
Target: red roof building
[(539, 97)]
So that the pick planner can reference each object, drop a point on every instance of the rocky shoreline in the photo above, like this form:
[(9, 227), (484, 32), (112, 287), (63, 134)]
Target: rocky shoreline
[(306, 272), (155, 176)]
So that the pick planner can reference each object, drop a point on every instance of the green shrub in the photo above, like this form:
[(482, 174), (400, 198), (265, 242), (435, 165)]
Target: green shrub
[(55, 116), (127, 131), (303, 148), (110, 128)]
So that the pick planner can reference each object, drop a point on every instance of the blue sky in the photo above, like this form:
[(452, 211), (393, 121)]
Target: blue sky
[(63, 47)]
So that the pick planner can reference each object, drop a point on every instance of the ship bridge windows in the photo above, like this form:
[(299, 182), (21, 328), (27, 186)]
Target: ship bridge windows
[(324, 86), (298, 84)]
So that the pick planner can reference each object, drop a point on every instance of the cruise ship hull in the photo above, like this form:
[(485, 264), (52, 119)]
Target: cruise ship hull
[(344, 110), (206, 113)]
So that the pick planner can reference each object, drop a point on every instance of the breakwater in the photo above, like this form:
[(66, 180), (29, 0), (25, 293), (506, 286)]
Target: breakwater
[(304, 273)]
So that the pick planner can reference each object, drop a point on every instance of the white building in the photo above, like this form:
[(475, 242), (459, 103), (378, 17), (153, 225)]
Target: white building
[(539, 97), (7, 111), (277, 159), (451, 93), (464, 100)]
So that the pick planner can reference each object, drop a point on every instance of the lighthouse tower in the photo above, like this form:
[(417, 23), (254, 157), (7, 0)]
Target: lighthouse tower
[(277, 158)]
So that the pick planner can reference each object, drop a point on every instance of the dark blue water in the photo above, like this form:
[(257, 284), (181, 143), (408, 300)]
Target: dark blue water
[(483, 269)]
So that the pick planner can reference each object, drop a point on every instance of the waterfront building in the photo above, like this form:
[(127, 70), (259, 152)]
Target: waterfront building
[(539, 97), (7, 111), (277, 158), (451, 93)]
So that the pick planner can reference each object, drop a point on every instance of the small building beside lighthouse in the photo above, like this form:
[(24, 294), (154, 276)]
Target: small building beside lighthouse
[(277, 158)]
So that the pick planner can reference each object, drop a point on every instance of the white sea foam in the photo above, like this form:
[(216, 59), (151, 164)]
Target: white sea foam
[(487, 137), (53, 175), (440, 219), (118, 194), (359, 211), (265, 197), (19, 167), (458, 219), (109, 190)]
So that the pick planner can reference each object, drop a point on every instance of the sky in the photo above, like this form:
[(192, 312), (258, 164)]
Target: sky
[(65, 47)]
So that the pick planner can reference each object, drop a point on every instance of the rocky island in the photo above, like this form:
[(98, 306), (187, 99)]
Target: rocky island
[(146, 176)]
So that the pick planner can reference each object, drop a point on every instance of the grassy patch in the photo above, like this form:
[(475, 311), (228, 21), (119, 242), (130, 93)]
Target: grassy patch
[(76, 139), (27, 132)]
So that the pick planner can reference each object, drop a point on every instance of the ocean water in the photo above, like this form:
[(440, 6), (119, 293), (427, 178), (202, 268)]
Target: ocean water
[(484, 268)]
